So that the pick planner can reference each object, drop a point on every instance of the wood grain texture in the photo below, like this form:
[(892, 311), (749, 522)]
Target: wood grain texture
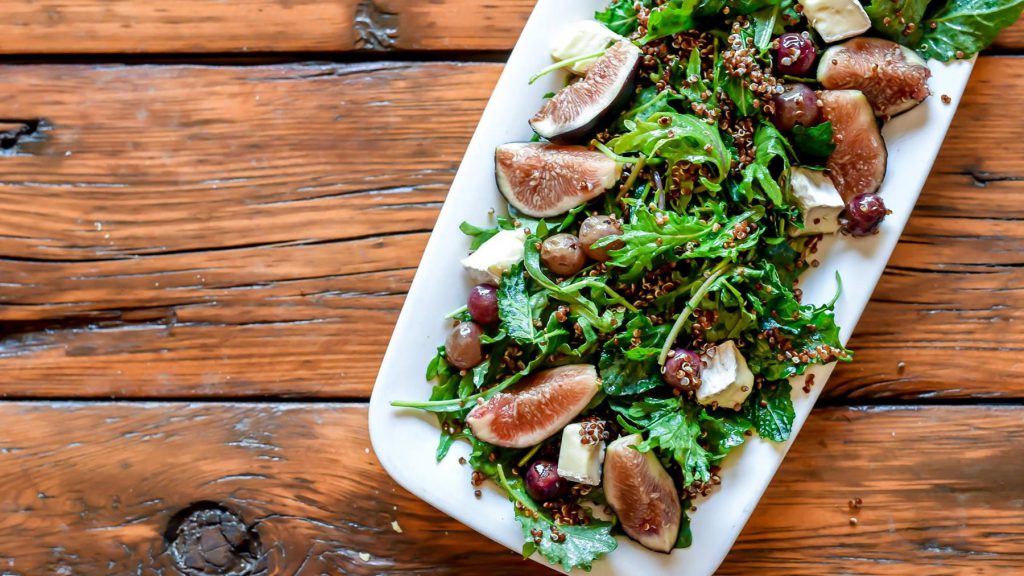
[(196, 231), (198, 26), (90, 489), (195, 26)]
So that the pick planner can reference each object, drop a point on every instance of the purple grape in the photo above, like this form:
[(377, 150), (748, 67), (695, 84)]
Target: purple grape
[(543, 482), (864, 213), (798, 104), (483, 304), (595, 228), (795, 54), (462, 348), (682, 369)]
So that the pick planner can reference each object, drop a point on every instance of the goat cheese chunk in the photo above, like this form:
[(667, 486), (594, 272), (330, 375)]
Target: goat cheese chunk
[(495, 256), (582, 39), (577, 461), (725, 378), (836, 20), (818, 200)]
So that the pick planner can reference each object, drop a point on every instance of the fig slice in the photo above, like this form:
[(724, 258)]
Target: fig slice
[(536, 408), (858, 163), (892, 77), (543, 180), (642, 494), (579, 107)]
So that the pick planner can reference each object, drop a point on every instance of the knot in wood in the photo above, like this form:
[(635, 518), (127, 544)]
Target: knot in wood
[(208, 539)]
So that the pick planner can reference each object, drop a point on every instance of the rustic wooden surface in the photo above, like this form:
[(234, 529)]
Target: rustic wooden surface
[(212, 212)]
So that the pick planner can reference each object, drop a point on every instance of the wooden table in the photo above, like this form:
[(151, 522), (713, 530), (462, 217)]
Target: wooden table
[(211, 214)]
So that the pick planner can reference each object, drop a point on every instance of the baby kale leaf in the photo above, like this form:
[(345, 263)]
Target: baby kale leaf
[(770, 409), (962, 28), (582, 544)]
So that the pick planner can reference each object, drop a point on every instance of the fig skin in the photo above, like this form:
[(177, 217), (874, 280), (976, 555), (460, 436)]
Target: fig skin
[(893, 78), (642, 494), (569, 116), (858, 164), (536, 408)]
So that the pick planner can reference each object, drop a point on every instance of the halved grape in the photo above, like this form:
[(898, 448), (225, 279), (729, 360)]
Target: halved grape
[(483, 304), (543, 482), (864, 214), (562, 254), (595, 228), (795, 54), (463, 348), (798, 104)]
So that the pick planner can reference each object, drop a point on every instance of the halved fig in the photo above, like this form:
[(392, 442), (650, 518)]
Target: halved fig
[(858, 163), (543, 180), (892, 77), (578, 108), (539, 406), (642, 494)]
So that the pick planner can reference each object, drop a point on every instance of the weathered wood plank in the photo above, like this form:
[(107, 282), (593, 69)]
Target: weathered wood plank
[(218, 213), (91, 488), (149, 26), (196, 26)]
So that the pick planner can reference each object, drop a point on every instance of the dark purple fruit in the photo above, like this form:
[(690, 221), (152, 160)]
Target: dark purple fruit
[(483, 304), (642, 494), (682, 369), (798, 104), (892, 77), (578, 108), (462, 348), (596, 228), (562, 254), (544, 180), (543, 482), (535, 408), (863, 215), (858, 163), (795, 54)]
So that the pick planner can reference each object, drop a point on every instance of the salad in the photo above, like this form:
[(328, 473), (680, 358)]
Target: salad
[(637, 315)]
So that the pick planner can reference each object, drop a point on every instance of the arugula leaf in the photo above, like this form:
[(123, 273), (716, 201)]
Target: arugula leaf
[(713, 7), (481, 235), (678, 236), (672, 17), (682, 138), (815, 142), (771, 410), (672, 428), (962, 28), (771, 145), (448, 387), (514, 306), (582, 544), (740, 95), (892, 17)]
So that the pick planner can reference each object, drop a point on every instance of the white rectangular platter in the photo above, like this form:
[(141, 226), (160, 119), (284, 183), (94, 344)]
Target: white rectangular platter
[(405, 440)]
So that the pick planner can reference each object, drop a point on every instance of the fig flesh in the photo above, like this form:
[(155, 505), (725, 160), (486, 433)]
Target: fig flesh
[(578, 108), (642, 494), (536, 408), (857, 165), (543, 180), (892, 77)]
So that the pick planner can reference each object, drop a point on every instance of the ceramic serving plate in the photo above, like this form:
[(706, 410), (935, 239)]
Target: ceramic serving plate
[(405, 440)]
